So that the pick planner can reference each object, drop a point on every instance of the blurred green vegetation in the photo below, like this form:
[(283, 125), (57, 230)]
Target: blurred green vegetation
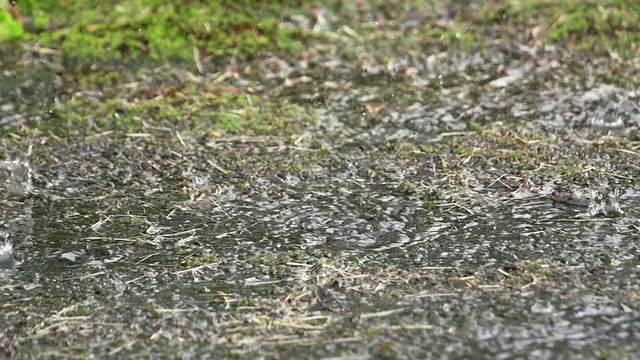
[(160, 30), (140, 32), (598, 27), (10, 27), (164, 31)]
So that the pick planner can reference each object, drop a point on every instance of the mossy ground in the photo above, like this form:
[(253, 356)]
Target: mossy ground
[(91, 38), (184, 151), (157, 30)]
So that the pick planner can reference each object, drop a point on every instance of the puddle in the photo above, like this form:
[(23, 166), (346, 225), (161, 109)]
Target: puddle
[(129, 257), (396, 239)]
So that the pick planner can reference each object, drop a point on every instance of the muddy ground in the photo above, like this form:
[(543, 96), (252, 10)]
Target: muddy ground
[(369, 198)]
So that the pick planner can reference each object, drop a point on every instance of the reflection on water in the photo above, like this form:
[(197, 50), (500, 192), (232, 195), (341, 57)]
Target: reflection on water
[(358, 220), (370, 226)]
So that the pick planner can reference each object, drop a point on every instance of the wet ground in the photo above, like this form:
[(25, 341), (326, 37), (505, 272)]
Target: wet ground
[(476, 205)]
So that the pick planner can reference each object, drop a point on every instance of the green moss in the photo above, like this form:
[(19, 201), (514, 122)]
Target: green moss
[(10, 28), (164, 31), (158, 30), (220, 109), (597, 27), (454, 37)]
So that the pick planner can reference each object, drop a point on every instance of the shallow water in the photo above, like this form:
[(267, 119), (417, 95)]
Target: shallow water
[(367, 252), (129, 262)]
